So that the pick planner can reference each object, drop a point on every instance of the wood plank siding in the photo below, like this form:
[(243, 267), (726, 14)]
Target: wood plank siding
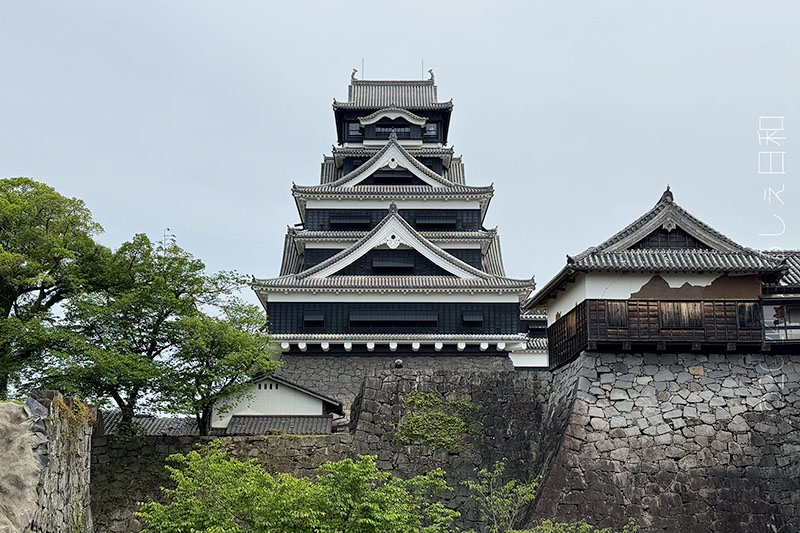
[(625, 322)]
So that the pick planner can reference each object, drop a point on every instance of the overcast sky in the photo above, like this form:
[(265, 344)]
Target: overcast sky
[(197, 116)]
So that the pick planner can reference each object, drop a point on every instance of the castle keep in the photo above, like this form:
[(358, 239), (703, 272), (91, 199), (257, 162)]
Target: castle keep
[(656, 376), (390, 255)]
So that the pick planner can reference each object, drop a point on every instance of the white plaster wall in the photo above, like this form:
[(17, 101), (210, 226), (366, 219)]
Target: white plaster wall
[(281, 401), (565, 301), (529, 360), (615, 286)]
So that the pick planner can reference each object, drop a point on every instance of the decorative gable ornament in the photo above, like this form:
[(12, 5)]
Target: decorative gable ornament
[(393, 113)]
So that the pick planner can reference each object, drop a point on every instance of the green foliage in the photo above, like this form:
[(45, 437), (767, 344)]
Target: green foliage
[(47, 254), (218, 494), (500, 504), (435, 422), (548, 526), (116, 342), (214, 361)]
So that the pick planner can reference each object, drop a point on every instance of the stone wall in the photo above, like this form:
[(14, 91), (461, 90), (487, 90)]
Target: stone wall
[(678, 441), (44, 453), (681, 442), (509, 410), (508, 416), (127, 472), (341, 376)]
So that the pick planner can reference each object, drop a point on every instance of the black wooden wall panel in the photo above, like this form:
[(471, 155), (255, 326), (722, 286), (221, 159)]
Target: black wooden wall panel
[(287, 317)]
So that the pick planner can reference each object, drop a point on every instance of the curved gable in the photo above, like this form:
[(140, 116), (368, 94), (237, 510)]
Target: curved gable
[(393, 113)]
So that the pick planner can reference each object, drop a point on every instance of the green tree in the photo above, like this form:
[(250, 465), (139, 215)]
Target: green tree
[(500, 504), (115, 341), (47, 254), (219, 494), (215, 360)]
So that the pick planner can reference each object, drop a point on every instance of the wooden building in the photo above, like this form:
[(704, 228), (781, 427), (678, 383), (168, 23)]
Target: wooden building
[(391, 255), (669, 282)]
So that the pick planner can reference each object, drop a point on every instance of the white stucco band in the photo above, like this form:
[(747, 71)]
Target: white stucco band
[(616, 286)]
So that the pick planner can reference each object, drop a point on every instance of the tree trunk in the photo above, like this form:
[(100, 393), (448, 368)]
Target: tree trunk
[(3, 385), (204, 421)]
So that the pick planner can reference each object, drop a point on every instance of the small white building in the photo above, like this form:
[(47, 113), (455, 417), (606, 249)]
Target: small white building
[(275, 403)]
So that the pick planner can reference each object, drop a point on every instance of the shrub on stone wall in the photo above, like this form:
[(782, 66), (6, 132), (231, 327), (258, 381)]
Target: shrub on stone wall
[(549, 526), (436, 422)]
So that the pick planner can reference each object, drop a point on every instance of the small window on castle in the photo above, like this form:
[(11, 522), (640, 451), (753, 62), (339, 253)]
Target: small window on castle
[(473, 319), (259, 386), (430, 130), (354, 129), (313, 319), (276, 386), (402, 132), (617, 314)]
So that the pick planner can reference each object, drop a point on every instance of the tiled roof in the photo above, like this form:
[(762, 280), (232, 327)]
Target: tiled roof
[(455, 172), (535, 344), (493, 259), (377, 94), (791, 277), (292, 260), (482, 281), (665, 209), (617, 254), (394, 217), (328, 172), (534, 315), (152, 425), (394, 284), (292, 425), (454, 236), (369, 151), (676, 260), (445, 154), (391, 192)]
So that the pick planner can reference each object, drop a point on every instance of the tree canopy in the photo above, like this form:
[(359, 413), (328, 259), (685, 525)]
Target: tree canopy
[(130, 341), (215, 359), (47, 254)]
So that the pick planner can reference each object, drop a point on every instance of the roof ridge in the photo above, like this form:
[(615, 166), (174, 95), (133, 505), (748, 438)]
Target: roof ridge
[(429, 82)]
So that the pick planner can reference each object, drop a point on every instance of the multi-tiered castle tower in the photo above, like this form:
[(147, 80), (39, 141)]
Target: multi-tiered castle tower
[(390, 257)]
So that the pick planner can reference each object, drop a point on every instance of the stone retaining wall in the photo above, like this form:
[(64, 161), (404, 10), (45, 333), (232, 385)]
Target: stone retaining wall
[(341, 376), (44, 465), (682, 442)]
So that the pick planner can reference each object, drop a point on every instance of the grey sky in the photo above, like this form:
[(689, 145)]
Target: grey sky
[(198, 116)]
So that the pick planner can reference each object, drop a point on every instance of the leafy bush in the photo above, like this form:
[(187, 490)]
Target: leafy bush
[(219, 494), (500, 504)]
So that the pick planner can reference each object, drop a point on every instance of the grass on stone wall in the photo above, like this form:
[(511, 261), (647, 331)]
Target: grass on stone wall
[(436, 422)]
